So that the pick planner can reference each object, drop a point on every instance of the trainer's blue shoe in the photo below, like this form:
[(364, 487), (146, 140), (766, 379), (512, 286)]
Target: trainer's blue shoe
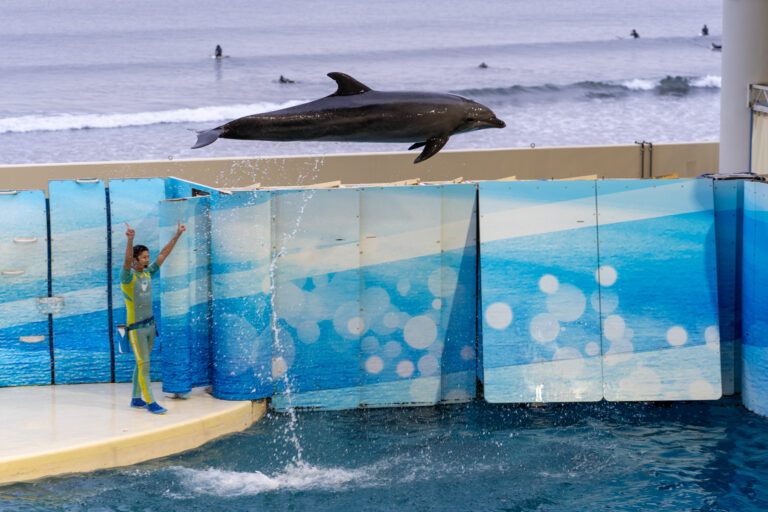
[(138, 403), (156, 408)]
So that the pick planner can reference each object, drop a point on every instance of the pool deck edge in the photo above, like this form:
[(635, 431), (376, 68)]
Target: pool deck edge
[(93, 437)]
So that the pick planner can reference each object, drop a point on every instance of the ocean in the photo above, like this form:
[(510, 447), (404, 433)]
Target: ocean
[(103, 81)]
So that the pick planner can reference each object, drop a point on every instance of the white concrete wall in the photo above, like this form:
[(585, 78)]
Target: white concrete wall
[(745, 61)]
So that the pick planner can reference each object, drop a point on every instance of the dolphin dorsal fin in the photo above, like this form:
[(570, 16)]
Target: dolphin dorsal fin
[(348, 86)]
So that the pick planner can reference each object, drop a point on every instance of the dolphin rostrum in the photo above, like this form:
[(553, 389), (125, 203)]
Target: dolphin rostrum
[(356, 113)]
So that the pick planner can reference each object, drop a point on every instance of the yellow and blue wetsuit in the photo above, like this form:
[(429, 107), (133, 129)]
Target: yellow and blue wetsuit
[(137, 292)]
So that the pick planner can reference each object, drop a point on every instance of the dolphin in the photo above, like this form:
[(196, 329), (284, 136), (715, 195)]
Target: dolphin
[(356, 113)]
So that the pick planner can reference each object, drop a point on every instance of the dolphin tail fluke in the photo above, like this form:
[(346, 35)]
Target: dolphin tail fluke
[(206, 137), (431, 147)]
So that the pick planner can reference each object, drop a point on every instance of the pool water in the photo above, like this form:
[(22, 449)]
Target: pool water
[(478, 456)]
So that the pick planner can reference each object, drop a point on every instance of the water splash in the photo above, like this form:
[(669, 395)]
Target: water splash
[(280, 364), (295, 477)]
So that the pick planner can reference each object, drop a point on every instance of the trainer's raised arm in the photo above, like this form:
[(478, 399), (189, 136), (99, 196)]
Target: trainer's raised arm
[(169, 246), (129, 233)]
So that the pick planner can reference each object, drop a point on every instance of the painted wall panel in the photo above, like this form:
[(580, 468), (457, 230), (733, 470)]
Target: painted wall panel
[(729, 199), (241, 248), (459, 292), (186, 319), (755, 298), (25, 357), (318, 322), (79, 276), (540, 300), (401, 276), (135, 201), (658, 290)]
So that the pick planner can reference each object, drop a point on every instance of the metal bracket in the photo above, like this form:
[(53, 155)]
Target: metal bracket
[(758, 98)]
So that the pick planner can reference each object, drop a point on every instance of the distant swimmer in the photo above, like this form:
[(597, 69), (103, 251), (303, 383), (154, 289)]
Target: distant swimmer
[(717, 47), (634, 34), (704, 30), (284, 80), (217, 54), (483, 65)]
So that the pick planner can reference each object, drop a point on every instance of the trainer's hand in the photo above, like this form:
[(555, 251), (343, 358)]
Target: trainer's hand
[(130, 233), (182, 228)]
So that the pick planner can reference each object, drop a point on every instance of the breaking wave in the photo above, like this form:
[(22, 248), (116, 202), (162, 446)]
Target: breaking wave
[(675, 85), (59, 122)]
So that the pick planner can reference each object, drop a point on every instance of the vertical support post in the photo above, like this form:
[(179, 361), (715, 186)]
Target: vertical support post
[(745, 45)]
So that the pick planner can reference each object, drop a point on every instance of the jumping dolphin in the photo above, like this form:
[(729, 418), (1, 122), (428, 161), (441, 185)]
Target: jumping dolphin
[(356, 113)]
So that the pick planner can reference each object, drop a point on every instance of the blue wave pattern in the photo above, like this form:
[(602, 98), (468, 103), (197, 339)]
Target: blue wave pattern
[(755, 299), (658, 276), (79, 275), (389, 295), (241, 249), (729, 204), (186, 307), (653, 283), (357, 311), (24, 343), (134, 201), (541, 329)]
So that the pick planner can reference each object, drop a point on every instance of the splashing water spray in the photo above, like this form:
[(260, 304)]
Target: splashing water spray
[(279, 363)]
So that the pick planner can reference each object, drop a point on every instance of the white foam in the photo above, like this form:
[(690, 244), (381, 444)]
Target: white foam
[(707, 81), (59, 122), (295, 477), (638, 84)]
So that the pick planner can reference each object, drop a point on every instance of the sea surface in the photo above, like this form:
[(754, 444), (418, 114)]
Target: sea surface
[(85, 80)]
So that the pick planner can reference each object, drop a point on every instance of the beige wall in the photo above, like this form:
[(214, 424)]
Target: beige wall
[(685, 160)]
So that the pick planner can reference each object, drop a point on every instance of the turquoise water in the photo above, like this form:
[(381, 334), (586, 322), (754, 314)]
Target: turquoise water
[(603, 456)]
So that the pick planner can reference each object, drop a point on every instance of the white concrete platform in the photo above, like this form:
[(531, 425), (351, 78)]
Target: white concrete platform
[(49, 430)]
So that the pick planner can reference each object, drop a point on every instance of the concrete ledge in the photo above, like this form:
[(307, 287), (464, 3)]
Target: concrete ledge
[(59, 429), (684, 159)]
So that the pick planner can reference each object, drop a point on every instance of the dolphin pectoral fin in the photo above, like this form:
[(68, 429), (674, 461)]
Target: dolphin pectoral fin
[(206, 137), (431, 147), (417, 145), (348, 86)]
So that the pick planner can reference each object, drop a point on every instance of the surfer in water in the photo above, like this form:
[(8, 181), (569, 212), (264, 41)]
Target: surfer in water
[(634, 34), (483, 65), (704, 30), (217, 53), (284, 80)]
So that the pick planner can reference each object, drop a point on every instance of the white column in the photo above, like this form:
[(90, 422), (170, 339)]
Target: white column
[(745, 61)]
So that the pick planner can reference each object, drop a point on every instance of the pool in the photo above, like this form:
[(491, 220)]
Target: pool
[(603, 456)]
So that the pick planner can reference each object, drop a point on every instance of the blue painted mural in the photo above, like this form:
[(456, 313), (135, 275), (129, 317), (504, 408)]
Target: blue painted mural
[(368, 297), (540, 301), (79, 264), (658, 277), (24, 340), (241, 257), (185, 329), (755, 298), (597, 290), (368, 290), (729, 204)]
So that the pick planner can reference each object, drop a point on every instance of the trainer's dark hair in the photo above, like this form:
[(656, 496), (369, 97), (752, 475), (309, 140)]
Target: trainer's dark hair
[(138, 249)]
